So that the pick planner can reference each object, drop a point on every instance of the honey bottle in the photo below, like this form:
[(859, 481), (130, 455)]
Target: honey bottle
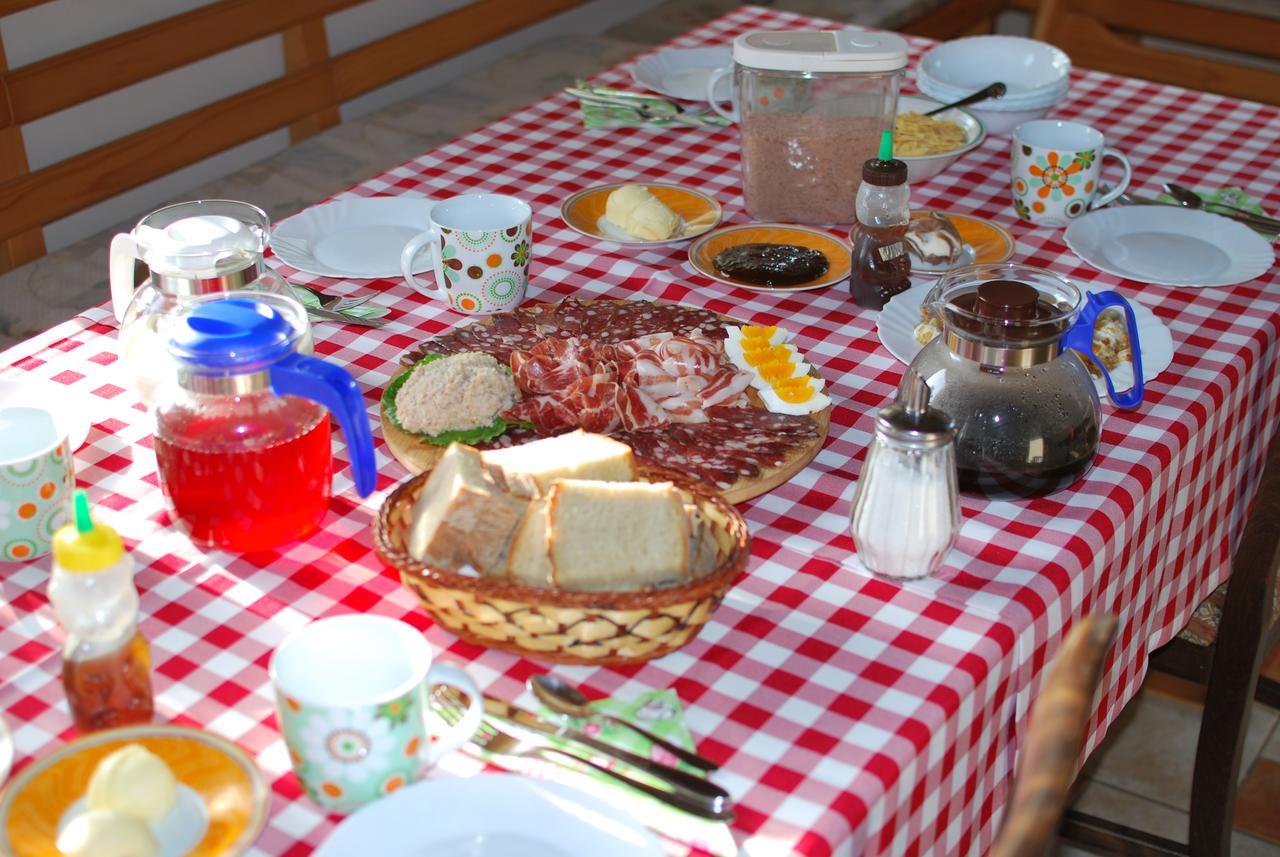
[(881, 266), (106, 663)]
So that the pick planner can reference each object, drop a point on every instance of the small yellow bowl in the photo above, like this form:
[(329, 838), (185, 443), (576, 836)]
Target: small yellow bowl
[(235, 796), (584, 211), (702, 253)]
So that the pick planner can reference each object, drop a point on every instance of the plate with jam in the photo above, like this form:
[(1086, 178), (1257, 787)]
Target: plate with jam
[(772, 257)]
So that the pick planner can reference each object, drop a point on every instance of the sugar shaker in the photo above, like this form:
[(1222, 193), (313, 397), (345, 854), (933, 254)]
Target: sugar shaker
[(905, 513)]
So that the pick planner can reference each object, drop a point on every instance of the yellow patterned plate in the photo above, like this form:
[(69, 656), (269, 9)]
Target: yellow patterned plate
[(234, 794), (702, 253), (584, 212)]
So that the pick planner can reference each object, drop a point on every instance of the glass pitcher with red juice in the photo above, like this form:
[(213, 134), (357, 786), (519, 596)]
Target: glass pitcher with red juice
[(242, 431)]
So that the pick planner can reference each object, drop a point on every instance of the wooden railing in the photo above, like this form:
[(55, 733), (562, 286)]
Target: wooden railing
[(305, 99)]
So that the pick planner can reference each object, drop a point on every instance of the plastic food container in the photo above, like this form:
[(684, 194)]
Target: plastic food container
[(811, 105)]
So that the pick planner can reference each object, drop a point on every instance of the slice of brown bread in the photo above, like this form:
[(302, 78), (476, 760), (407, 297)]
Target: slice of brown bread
[(463, 516), (616, 535), (528, 561)]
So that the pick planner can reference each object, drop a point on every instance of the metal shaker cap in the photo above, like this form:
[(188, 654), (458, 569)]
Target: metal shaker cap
[(911, 421)]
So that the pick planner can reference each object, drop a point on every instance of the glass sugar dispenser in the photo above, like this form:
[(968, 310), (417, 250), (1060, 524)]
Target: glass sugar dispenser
[(906, 512), (242, 428), (191, 249), (106, 662)]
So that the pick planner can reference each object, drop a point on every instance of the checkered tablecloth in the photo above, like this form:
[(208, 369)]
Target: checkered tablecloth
[(851, 714)]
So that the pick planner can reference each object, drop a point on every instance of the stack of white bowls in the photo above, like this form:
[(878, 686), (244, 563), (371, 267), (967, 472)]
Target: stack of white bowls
[(1036, 73)]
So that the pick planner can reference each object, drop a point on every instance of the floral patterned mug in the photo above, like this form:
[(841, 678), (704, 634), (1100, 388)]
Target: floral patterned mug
[(36, 480), (1055, 169), (480, 245), (351, 697)]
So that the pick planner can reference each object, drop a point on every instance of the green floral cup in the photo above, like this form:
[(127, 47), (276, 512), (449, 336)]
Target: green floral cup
[(351, 698), (481, 245), (36, 479), (1055, 168)]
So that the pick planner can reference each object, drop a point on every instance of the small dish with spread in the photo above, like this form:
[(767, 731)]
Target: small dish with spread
[(789, 241), (584, 212)]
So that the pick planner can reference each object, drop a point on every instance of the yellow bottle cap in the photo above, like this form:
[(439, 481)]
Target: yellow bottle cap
[(85, 546)]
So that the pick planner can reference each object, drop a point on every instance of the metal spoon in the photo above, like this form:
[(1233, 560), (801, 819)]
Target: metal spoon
[(567, 699), (1189, 198), (995, 90)]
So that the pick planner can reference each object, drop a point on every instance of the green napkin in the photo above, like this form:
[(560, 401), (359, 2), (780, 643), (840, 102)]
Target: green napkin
[(603, 107), (1233, 196), (362, 311)]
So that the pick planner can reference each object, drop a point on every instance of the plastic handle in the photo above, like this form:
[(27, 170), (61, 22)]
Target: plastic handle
[(732, 113), (458, 734), (333, 387), (417, 244), (124, 252), (1080, 338), (1110, 196)]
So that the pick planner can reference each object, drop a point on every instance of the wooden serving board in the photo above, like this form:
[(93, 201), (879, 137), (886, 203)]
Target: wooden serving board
[(419, 456)]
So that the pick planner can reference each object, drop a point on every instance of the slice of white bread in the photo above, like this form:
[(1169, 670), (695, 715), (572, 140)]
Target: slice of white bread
[(464, 516), (529, 469), (528, 561), (616, 535)]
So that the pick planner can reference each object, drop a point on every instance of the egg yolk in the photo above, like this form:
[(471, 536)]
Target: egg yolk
[(775, 370), (765, 354), (793, 390), (756, 332)]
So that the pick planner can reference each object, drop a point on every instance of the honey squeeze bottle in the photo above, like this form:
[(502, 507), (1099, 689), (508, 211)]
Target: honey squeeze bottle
[(106, 663)]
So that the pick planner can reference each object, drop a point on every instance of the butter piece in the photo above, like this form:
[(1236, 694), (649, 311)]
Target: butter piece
[(641, 214), (134, 781)]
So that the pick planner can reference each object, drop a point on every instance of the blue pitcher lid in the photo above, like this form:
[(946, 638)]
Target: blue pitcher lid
[(234, 335)]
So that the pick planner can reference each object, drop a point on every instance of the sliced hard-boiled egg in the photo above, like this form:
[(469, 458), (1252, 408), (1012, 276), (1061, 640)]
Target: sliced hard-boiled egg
[(771, 354), (795, 396), (767, 374), (748, 338)]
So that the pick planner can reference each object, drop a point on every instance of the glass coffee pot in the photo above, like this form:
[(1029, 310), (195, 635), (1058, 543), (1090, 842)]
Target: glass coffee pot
[(1009, 370), (242, 428), (208, 246)]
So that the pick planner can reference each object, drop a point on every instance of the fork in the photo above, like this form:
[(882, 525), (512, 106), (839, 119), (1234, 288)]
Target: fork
[(333, 303), (495, 740)]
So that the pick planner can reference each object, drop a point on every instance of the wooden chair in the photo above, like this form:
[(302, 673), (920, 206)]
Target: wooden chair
[(1223, 648), (1054, 738), (1105, 35), (305, 99)]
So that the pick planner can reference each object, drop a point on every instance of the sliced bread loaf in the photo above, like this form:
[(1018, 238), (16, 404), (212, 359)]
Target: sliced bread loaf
[(529, 469), (528, 561), (463, 516), (616, 535)]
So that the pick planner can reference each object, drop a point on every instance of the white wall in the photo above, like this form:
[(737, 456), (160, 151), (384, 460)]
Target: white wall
[(61, 25)]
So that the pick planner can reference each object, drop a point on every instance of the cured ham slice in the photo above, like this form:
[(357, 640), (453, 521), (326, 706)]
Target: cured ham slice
[(547, 414)]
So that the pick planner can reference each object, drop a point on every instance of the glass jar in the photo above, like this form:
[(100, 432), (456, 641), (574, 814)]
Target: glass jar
[(811, 106)]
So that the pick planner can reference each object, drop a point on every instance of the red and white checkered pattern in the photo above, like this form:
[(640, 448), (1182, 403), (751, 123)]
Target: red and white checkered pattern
[(851, 714)]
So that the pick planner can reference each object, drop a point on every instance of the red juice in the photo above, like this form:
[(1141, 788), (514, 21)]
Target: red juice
[(249, 481)]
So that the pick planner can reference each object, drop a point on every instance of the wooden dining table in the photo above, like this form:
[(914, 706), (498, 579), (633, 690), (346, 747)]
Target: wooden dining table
[(851, 714)]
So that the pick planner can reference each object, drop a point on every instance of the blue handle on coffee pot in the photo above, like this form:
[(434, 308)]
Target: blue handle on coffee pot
[(333, 387), (1080, 338)]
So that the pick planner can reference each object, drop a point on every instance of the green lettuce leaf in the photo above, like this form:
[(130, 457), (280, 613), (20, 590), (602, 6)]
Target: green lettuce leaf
[(472, 436)]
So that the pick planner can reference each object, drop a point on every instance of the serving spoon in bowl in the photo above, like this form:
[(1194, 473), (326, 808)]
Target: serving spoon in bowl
[(564, 698), (995, 90)]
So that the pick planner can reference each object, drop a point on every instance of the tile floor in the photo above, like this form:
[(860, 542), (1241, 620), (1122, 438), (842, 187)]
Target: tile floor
[(1140, 777)]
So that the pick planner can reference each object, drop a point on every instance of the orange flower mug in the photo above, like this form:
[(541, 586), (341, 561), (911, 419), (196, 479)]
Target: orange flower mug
[(1055, 168), (36, 479), (352, 701)]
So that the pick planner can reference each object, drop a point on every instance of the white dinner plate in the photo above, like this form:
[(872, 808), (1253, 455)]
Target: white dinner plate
[(490, 815), (683, 72), (357, 236), (6, 752), (71, 410), (1170, 246), (897, 325)]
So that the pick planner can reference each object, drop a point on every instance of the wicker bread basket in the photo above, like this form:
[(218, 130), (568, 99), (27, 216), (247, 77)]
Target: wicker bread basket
[(559, 625)]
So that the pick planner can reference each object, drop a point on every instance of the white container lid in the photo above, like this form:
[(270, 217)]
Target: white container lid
[(853, 51)]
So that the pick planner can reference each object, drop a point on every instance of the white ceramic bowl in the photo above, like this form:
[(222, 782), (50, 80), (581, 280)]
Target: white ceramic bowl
[(923, 167), (1039, 98), (1026, 66)]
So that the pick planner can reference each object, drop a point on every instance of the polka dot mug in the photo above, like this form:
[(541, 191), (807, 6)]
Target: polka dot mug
[(1054, 171), (36, 480), (351, 700), (481, 245)]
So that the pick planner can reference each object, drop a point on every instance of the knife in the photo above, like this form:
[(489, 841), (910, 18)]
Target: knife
[(673, 776), (329, 315)]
